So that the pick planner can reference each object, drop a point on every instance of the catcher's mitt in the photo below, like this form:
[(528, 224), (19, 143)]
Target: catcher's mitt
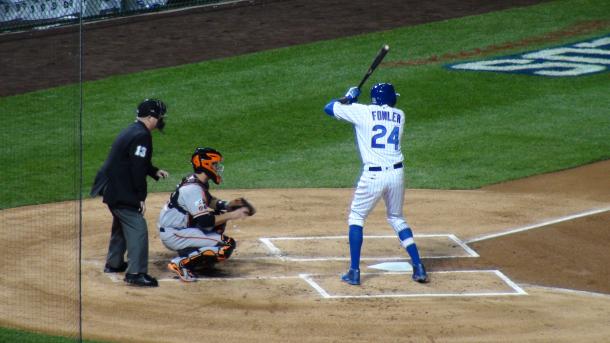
[(239, 203)]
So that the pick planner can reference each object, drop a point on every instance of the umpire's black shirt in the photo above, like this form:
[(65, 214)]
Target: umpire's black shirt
[(127, 165)]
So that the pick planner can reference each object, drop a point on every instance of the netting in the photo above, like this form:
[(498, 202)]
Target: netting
[(40, 163)]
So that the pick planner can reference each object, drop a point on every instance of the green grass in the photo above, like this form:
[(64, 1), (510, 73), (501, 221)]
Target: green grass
[(264, 112), (18, 336)]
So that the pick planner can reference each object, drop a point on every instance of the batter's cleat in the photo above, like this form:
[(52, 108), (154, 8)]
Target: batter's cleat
[(120, 269), (141, 280), (352, 277), (419, 273), (183, 273)]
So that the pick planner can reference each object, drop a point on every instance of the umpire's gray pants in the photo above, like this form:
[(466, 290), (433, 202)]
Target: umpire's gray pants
[(129, 233)]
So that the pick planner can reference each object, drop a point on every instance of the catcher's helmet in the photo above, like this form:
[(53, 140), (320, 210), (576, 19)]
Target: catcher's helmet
[(208, 161), (383, 94), (155, 108)]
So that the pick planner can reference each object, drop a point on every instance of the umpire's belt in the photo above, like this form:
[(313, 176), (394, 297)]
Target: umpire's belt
[(396, 166)]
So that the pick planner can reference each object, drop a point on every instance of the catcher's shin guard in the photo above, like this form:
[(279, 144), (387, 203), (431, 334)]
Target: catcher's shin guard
[(201, 256), (193, 258), (227, 247)]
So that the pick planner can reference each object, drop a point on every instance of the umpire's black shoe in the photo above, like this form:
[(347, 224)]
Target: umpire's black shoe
[(141, 280), (120, 269)]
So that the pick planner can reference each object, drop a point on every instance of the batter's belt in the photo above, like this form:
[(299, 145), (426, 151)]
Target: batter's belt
[(396, 166)]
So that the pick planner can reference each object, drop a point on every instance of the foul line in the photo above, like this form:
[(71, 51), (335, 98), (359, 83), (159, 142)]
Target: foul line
[(568, 290), (538, 225)]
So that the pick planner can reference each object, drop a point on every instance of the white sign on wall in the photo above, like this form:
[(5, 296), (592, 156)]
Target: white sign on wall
[(24, 10), (583, 58)]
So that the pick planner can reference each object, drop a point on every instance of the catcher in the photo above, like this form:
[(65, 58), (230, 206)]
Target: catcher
[(193, 221)]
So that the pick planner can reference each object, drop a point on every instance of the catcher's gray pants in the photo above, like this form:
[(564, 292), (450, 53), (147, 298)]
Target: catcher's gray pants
[(178, 239), (129, 233)]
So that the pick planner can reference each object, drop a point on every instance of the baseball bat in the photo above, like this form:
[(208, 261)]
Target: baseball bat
[(380, 55)]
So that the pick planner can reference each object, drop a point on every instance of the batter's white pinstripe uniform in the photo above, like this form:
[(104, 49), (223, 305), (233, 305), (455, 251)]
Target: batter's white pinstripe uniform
[(379, 132), (379, 129)]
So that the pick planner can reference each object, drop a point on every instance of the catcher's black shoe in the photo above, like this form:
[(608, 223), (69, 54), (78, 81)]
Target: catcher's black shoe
[(141, 280), (120, 269)]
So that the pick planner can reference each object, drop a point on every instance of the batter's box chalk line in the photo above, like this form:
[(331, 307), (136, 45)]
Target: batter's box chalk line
[(275, 251), (309, 278)]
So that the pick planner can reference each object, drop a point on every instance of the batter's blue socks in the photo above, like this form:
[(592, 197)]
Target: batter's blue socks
[(355, 245), (406, 240)]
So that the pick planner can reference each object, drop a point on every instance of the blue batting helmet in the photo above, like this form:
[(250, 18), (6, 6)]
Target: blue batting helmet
[(383, 94)]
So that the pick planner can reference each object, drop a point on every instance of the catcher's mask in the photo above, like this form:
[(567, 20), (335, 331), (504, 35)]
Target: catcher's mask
[(383, 94), (208, 161), (155, 108)]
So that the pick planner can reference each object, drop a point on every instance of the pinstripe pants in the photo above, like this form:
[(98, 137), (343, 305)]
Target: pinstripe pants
[(373, 186)]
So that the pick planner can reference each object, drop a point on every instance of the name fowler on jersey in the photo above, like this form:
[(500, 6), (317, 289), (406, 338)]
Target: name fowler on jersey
[(386, 115)]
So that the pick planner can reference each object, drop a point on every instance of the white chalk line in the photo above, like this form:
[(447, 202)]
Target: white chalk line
[(538, 225), (568, 290), (314, 285), (237, 278), (277, 252), (346, 258), (292, 238), (324, 294), (510, 283), (118, 277), (309, 279), (462, 244)]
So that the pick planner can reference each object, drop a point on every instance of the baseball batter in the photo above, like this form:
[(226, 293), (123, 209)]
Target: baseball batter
[(379, 127), (193, 221)]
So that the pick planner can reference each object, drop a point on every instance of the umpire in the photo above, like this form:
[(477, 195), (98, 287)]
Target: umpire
[(122, 182)]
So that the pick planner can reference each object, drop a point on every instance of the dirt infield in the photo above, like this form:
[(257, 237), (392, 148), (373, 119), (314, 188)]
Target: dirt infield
[(540, 275), (521, 261)]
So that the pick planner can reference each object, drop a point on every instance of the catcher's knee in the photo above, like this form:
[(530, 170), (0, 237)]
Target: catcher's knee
[(226, 248), (192, 257)]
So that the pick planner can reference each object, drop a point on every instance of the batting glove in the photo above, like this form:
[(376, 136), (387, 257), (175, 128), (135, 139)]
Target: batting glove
[(352, 95)]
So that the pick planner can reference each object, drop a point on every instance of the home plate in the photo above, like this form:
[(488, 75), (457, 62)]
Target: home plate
[(393, 266)]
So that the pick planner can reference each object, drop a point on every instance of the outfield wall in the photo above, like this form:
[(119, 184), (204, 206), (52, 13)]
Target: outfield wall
[(40, 14)]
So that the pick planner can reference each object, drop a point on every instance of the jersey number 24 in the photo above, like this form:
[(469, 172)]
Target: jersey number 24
[(380, 134)]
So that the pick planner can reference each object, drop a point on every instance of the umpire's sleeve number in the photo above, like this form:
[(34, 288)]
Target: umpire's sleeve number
[(380, 133), (140, 151)]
